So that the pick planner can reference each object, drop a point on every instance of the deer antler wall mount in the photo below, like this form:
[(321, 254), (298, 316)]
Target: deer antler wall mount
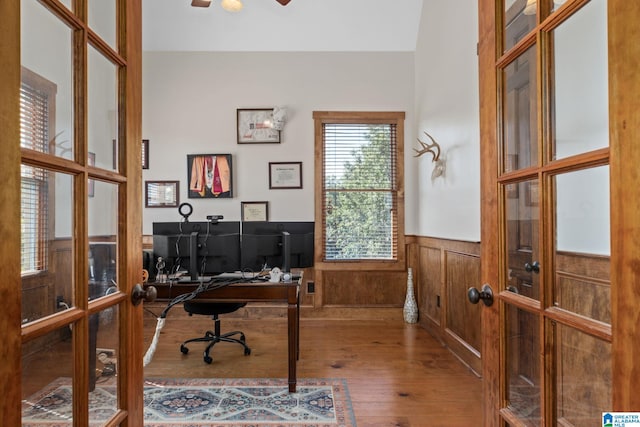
[(433, 148)]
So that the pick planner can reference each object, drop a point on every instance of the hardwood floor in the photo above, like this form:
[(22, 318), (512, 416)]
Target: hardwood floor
[(397, 373)]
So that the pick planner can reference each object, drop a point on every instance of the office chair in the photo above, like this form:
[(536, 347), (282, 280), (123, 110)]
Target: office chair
[(214, 309)]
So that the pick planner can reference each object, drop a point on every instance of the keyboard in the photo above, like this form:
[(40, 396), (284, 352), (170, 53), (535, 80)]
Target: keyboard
[(237, 275), (200, 279)]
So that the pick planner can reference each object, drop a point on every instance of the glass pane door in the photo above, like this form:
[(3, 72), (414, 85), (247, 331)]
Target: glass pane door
[(78, 214), (555, 218)]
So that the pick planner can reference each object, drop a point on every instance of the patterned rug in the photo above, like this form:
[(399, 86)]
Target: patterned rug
[(204, 402)]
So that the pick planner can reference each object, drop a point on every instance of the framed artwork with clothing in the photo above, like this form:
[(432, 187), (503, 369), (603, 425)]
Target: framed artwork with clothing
[(209, 176)]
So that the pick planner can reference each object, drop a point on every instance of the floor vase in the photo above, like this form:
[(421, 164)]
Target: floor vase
[(410, 310)]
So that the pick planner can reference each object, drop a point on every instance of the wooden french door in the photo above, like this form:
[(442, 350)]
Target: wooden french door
[(560, 223), (70, 121)]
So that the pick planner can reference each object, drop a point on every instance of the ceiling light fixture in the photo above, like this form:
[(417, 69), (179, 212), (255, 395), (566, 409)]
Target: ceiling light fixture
[(229, 5), (530, 7), (232, 5)]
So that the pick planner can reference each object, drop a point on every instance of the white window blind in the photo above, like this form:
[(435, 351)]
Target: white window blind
[(34, 134), (359, 191)]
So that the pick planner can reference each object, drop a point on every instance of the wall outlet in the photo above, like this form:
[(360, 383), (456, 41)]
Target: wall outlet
[(311, 287), (60, 301)]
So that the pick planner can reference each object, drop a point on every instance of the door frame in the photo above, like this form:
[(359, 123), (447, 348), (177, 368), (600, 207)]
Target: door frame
[(624, 146), (624, 131), (130, 366), (489, 248), (10, 352)]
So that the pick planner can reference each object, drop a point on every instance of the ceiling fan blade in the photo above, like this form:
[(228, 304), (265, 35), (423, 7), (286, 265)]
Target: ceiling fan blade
[(200, 3), (283, 2)]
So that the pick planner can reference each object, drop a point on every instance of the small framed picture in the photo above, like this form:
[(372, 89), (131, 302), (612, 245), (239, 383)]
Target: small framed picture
[(145, 154), (91, 161), (114, 152), (285, 175), (255, 211), (161, 194), (531, 194), (255, 126)]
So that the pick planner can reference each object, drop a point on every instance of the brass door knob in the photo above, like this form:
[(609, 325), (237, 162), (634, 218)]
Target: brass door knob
[(139, 294)]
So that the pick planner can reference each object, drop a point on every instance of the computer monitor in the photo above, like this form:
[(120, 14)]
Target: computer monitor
[(284, 245), (301, 250), (261, 251), (200, 248), (102, 261)]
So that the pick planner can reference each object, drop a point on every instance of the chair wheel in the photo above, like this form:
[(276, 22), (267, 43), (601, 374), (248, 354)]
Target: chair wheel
[(247, 351), (207, 359), (184, 349)]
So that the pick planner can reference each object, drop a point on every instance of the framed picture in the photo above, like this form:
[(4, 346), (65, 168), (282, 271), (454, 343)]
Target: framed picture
[(114, 152), (255, 211), (285, 175), (91, 161), (209, 176), (511, 190), (531, 193), (145, 154), (161, 194), (255, 126)]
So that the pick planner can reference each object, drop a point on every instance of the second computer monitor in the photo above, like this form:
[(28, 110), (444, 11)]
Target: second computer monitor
[(284, 245)]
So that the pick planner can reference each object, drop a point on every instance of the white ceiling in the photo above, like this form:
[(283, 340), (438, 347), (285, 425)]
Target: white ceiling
[(265, 25)]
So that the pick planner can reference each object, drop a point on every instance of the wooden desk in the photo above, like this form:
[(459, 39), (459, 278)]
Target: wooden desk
[(260, 291)]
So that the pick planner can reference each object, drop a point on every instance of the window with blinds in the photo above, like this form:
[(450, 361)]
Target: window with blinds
[(359, 191), (34, 134)]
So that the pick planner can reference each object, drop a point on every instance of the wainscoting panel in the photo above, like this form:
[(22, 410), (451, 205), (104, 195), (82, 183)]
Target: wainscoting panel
[(583, 285), (463, 318), (39, 292), (364, 288), (430, 283), (37, 298), (445, 270)]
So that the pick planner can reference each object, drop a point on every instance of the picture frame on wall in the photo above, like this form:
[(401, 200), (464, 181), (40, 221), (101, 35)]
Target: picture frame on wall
[(255, 211), (114, 153), (145, 154), (285, 175), (209, 176), (531, 194), (255, 126), (161, 194), (91, 161)]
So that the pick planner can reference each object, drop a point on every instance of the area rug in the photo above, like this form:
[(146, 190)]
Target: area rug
[(205, 402)]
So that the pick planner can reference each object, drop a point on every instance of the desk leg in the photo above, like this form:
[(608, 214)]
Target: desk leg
[(298, 327), (292, 326)]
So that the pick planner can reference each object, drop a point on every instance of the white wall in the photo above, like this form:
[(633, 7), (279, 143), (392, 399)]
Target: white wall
[(190, 102), (447, 107)]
